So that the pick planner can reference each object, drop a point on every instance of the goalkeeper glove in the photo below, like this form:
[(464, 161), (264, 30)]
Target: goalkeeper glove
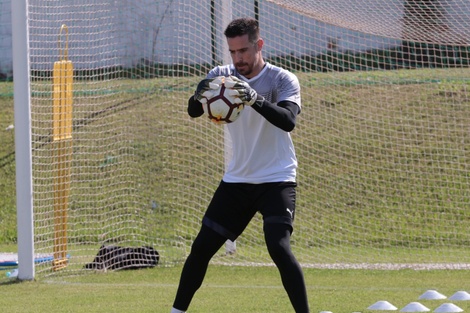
[(247, 94), (203, 89)]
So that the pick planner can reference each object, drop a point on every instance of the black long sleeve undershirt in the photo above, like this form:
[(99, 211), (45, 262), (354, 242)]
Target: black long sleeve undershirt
[(282, 114)]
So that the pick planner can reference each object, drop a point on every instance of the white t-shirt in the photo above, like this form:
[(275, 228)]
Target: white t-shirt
[(262, 152)]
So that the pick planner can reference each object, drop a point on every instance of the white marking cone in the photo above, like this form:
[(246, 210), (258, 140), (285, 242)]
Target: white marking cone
[(414, 307), (460, 296), (383, 306), (448, 308), (432, 295)]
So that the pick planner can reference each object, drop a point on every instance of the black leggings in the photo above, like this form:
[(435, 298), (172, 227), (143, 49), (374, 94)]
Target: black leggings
[(208, 242)]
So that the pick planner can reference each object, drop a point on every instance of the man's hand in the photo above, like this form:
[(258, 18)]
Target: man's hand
[(247, 94), (203, 90)]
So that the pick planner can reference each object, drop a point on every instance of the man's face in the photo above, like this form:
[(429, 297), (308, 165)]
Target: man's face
[(246, 56)]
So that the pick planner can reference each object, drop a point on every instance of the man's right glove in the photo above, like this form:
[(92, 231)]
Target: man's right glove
[(203, 89)]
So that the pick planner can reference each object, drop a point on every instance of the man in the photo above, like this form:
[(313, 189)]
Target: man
[(262, 171)]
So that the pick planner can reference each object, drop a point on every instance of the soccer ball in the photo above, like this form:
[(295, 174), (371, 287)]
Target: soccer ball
[(220, 103)]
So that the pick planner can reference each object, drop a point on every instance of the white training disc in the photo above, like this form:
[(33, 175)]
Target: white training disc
[(432, 295), (414, 307), (382, 305), (460, 295), (448, 308)]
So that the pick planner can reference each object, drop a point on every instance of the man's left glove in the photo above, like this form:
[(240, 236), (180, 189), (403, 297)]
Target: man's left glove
[(247, 94)]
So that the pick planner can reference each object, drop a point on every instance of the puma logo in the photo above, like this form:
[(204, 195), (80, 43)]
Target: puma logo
[(291, 212)]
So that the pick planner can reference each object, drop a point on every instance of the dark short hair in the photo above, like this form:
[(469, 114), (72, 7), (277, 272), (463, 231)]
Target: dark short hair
[(243, 26)]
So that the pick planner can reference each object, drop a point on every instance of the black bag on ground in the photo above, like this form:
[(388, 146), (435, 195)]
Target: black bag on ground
[(117, 258)]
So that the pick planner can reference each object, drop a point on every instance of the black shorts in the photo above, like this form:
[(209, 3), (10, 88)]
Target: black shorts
[(234, 205)]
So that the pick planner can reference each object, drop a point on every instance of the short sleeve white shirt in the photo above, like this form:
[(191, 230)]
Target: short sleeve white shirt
[(262, 152)]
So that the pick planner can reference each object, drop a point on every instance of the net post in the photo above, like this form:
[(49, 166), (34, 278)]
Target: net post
[(23, 151)]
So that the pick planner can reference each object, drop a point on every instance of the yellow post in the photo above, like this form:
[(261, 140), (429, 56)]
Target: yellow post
[(62, 143)]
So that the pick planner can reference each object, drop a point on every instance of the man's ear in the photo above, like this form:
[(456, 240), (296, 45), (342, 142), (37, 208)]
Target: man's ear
[(259, 44)]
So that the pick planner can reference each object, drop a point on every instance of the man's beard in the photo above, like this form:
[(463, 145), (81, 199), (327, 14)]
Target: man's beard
[(243, 69)]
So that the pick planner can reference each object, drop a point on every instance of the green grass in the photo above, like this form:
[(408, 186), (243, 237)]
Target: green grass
[(231, 290), (7, 166), (367, 154), (372, 146)]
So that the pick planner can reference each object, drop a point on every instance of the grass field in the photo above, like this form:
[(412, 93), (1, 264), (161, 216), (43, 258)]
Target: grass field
[(231, 290), (344, 139), (371, 146)]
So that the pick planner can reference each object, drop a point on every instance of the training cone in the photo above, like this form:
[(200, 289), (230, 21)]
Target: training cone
[(382, 305), (460, 296), (448, 308), (432, 295), (414, 307)]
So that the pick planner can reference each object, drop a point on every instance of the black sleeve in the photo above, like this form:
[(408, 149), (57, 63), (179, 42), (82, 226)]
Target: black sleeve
[(282, 114), (194, 107)]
